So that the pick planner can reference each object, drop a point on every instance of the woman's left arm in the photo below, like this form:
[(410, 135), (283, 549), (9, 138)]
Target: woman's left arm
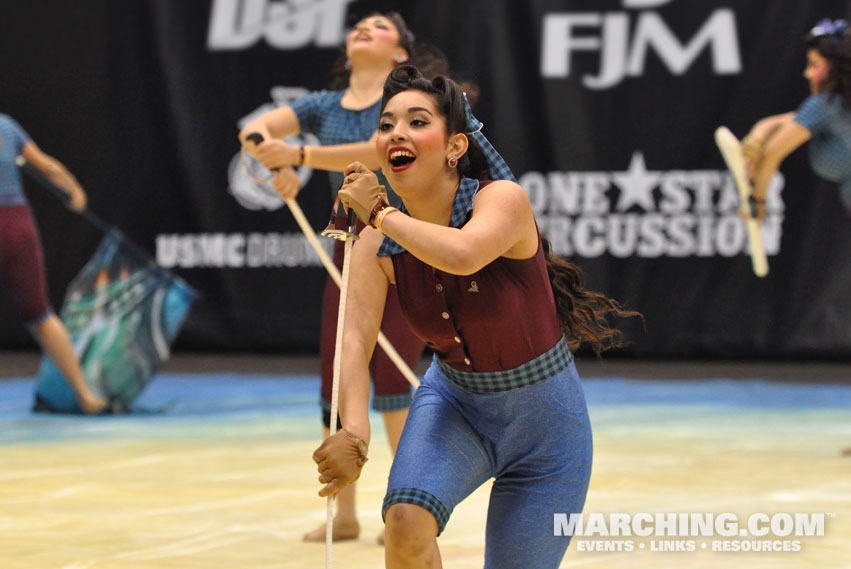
[(336, 157), (502, 224)]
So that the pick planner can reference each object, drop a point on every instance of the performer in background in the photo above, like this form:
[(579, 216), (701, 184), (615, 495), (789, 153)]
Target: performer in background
[(502, 398), (22, 270), (823, 119), (344, 119)]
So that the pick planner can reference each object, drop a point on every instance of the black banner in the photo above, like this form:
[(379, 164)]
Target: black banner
[(605, 109)]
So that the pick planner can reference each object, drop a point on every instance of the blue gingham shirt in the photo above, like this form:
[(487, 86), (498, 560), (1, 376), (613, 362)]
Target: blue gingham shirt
[(322, 114), (463, 204), (829, 124), (13, 138)]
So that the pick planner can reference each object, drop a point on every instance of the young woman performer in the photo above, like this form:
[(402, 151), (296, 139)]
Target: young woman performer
[(21, 260), (824, 118), (502, 398), (344, 118)]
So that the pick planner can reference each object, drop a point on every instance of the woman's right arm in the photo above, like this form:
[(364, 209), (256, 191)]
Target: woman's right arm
[(337, 157)]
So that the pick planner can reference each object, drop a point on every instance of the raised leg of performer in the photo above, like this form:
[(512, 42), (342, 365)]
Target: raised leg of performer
[(53, 337), (411, 538), (453, 443)]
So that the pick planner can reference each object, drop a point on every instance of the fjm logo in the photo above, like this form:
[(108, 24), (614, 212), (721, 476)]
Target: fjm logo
[(624, 54), (286, 24)]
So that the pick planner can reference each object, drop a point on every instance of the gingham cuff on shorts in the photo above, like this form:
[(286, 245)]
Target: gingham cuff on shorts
[(380, 403), (38, 321), (419, 498), (391, 402), (542, 367)]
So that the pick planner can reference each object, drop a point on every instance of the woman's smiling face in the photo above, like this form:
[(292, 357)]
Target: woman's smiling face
[(411, 136)]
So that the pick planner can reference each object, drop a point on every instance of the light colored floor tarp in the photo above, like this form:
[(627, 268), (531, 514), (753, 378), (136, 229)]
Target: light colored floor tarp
[(214, 471)]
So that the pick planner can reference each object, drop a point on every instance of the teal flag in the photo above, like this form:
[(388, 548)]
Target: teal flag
[(122, 312)]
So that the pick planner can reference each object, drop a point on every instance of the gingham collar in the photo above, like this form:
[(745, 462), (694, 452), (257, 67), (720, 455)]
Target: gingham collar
[(461, 208)]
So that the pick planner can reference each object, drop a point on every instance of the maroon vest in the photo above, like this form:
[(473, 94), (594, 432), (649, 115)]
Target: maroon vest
[(495, 319)]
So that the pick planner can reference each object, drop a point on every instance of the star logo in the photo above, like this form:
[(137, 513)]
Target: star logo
[(636, 185)]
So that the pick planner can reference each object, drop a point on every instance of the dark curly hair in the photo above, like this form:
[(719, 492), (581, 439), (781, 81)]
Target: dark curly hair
[(582, 314), (835, 47)]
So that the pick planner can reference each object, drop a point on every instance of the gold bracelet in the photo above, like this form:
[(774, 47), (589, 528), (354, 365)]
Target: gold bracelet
[(381, 215)]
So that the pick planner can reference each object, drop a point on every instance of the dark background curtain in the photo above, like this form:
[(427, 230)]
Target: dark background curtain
[(605, 109)]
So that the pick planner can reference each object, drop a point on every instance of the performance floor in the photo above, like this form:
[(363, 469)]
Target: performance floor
[(214, 470)]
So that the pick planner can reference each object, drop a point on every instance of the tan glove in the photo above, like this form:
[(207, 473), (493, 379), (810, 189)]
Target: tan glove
[(340, 459), (361, 191)]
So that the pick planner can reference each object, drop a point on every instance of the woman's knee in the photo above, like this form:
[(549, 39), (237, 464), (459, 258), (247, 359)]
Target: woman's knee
[(410, 529)]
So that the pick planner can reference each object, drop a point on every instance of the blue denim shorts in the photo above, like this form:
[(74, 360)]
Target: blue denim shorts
[(534, 440)]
